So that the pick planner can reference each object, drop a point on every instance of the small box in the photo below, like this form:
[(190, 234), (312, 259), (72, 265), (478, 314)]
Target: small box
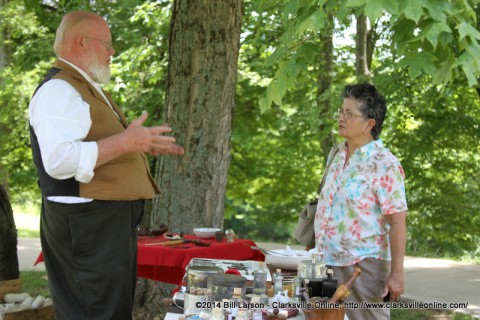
[(15, 286), (10, 286), (43, 313)]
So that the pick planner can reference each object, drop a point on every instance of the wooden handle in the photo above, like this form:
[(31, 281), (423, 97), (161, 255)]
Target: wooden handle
[(172, 243), (342, 289)]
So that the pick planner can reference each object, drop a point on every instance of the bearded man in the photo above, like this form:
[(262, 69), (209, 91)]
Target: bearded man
[(93, 175)]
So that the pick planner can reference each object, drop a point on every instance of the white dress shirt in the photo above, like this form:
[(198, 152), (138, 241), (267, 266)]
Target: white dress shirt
[(61, 121)]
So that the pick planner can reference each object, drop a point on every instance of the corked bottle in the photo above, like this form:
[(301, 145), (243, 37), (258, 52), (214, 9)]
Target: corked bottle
[(342, 290)]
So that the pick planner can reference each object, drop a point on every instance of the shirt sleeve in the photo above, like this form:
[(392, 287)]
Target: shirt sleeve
[(389, 187), (61, 121)]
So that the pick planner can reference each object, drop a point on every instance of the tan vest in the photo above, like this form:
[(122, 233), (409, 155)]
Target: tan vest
[(126, 177)]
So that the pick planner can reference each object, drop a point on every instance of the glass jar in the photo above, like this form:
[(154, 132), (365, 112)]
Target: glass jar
[(197, 276), (222, 285)]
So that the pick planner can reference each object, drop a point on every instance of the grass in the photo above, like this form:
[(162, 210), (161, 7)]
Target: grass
[(412, 314), (35, 283)]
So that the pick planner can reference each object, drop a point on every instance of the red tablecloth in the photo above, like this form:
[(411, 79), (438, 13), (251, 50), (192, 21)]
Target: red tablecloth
[(168, 264)]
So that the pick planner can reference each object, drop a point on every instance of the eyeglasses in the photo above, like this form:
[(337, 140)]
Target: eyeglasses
[(347, 114), (107, 44)]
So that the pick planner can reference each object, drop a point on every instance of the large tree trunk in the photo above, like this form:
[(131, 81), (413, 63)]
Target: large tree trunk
[(204, 46), (8, 239), (324, 85)]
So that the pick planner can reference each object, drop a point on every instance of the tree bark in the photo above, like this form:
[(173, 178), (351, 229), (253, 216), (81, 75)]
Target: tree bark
[(200, 99), (324, 85), (204, 46), (361, 49), (8, 239)]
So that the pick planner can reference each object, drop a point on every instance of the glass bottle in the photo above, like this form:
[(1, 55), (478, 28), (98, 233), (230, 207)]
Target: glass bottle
[(256, 310), (297, 286), (278, 282), (218, 313), (236, 303), (259, 282), (305, 291), (226, 309)]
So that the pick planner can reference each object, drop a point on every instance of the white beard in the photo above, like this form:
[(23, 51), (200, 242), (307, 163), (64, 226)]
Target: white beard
[(99, 73)]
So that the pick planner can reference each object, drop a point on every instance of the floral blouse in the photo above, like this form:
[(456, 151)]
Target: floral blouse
[(350, 220)]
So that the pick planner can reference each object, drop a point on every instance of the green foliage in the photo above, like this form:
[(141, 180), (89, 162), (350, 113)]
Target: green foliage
[(140, 64), (276, 158), (277, 163), (433, 133), (436, 38), (17, 81)]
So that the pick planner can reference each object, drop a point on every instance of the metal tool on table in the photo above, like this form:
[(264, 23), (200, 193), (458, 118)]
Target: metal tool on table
[(180, 241), (265, 252)]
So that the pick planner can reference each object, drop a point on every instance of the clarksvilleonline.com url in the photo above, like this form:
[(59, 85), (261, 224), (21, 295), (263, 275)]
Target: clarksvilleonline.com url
[(405, 305)]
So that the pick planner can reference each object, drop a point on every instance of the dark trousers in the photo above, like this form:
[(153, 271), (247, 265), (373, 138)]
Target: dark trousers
[(90, 253)]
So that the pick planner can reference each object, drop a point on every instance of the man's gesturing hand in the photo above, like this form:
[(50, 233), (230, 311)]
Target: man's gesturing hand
[(150, 140)]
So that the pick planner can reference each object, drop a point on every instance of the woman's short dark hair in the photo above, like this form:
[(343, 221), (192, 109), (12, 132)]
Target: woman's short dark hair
[(372, 104)]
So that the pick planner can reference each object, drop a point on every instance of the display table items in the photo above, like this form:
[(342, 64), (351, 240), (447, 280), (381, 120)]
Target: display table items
[(159, 262)]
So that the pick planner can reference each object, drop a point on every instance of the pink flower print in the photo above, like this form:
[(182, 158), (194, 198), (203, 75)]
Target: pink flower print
[(387, 183), (381, 223), (401, 171), (323, 227), (355, 229), (380, 240), (363, 208), (330, 232), (388, 208)]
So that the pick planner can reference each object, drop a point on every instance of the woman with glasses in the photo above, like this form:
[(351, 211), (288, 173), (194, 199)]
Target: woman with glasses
[(361, 213)]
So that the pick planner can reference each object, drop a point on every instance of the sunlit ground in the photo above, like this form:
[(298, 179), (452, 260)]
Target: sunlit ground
[(27, 222)]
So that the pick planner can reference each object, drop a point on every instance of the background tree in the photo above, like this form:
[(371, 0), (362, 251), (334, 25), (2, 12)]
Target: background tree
[(200, 98), (8, 239), (203, 53)]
